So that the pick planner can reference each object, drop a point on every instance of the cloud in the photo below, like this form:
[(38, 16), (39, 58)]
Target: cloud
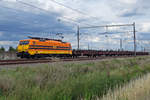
[(145, 27), (128, 1), (1, 33), (17, 20), (144, 36), (7, 44), (19, 23), (131, 13)]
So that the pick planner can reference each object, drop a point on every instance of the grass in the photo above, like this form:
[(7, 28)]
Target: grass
[(70, 81), (136, 90)]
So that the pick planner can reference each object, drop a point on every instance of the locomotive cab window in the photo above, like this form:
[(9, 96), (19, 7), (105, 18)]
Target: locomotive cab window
[(24, 43)]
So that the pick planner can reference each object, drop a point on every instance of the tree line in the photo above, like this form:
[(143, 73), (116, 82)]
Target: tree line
[(11, 49)]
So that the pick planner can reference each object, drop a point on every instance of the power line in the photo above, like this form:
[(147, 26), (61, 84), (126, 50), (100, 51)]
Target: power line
[(48, 12), (24, 11), (70, 19), (134, 32), (76, 10), (107, 26)]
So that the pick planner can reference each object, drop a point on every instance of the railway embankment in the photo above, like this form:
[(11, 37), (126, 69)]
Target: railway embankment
[(7, 55), (70, 81)]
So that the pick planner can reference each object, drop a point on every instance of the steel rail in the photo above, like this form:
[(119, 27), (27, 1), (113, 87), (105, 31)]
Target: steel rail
[(33, 61)]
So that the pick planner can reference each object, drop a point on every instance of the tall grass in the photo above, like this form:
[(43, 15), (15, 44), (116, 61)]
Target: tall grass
[(136, 90), (70, 81)]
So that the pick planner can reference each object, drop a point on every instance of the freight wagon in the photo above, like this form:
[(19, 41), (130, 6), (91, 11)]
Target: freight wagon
[(44, 47)]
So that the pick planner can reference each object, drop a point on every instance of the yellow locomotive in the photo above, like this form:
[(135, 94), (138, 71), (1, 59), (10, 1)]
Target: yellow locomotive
[(43, 47)]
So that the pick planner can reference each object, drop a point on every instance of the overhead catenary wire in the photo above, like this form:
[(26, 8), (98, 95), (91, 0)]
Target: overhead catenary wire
[(107, 26), (134, 31), (73, 9), (53, 2), (21, 21), (69, 19), (30, 32)]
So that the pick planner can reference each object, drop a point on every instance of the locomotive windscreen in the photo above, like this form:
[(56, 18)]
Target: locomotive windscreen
[(24, 42)]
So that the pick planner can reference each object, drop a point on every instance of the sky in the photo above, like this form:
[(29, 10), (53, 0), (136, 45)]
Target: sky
[(45, 18)]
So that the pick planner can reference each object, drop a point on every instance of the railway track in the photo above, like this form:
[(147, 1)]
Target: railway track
[(15, 62), (32, 61)]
